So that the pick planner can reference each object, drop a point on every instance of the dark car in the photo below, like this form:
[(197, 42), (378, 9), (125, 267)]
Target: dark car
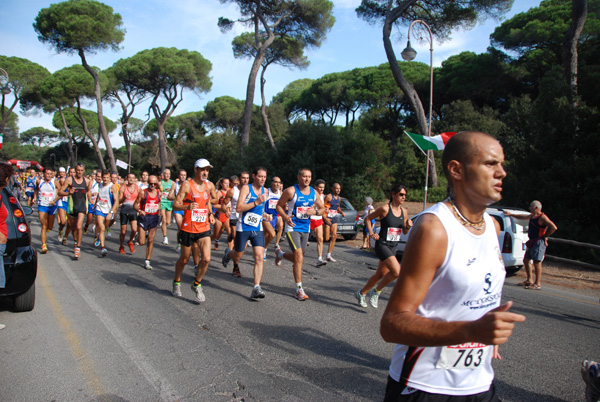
[(20, 258), (347, 225)]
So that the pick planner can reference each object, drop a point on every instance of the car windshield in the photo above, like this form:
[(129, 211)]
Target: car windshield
[(345, 204)]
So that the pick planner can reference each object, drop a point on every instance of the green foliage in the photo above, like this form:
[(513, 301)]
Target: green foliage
[(75, 124), (79, 25), (224, 113), (14, 150), (182, 127), (10, 132), (39, 136), (284, 51)]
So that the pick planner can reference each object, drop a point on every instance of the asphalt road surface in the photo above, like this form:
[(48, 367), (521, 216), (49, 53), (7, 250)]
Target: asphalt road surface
[(105, 329)]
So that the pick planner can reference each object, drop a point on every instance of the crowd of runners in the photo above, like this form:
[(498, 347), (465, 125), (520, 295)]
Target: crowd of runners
[(241, 208)]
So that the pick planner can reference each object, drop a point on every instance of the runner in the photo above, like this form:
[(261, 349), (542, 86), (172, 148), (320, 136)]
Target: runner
[(30, 183), (279, 220), (62, 203), (332, 202), (232, 197), (250, 228), (221, 218), (116, 181), (46, 194), (272, 218), (394, 220), (127, 196), (147, 206), (316, 223), (166, 206), (194, 199), (300, 200), (171, 197), (144, 180), (77, 188), (92, 197), (106, 206)]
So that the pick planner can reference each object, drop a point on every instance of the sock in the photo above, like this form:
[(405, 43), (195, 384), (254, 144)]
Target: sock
[(328, 255), (377, 291), (196, 284), (256, 286), (320, 258), (236, 266), (279, 253), (299, 285), (177, 282)]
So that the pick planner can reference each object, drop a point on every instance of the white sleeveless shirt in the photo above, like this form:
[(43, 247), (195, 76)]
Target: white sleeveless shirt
[(466, 286), (234, 200)]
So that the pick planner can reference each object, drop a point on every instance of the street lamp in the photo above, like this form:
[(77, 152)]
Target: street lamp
[(409, 54), (5, 89)]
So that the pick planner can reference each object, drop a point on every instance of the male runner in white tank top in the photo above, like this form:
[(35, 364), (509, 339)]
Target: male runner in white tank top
[(232, 196), (445, 312)]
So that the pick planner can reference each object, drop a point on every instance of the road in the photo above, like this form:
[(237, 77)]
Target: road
[(106, 329)]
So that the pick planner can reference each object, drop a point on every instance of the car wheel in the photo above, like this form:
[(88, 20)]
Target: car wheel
[(25, 301), (349, 236), (510, 271)]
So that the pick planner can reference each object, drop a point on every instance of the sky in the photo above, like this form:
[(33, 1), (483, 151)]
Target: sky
[(192, 24)]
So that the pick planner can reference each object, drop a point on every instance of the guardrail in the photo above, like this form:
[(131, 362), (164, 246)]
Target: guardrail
[(576, 244)]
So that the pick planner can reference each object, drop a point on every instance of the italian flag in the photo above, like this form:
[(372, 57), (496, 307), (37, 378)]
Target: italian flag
[(1, 140), (434, 143)]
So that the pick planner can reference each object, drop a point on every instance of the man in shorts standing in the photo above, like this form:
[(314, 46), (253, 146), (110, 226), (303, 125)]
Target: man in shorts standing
[(147, 206), (77, 188), (194, 198), (445, 312), (127, 196), (302, 202), (316, 222), (540, 228), (250, 206)]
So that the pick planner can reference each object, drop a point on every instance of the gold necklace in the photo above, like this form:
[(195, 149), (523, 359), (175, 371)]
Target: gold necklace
[(466, 222)]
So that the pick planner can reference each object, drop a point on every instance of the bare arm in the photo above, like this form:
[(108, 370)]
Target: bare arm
[(378, 213), (425, 253), (64, 189), (182, 195), (285, 197)]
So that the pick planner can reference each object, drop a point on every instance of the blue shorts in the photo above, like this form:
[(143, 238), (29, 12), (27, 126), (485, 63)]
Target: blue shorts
[(257, 239), (91, 208), (100, 213), (537, 252), (178, 212), (29, 194), (51, 210), (63, 206), (147, 222)]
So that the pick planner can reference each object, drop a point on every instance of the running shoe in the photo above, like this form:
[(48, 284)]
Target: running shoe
[(199, 294), (278, 256), (44, 249), (216, 244), (166, 240), (85, 228), (330, 259), (108, 232), (97, 242), (130, 244), (320, 263), (257, 293), (226, 258), (590, 372), (265, 257), (147, 265), (177, 289), (373, 298), (236, 272), (300, 295), (104, 252), (60, 234), (121, 250), (64, 241), (361, 299), (77, 253)]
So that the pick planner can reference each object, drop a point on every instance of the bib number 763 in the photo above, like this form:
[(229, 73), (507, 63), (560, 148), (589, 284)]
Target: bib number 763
[(467, 356)]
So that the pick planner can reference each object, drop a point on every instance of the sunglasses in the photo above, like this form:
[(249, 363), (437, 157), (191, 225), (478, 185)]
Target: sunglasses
[(402, 194), (153, 184)]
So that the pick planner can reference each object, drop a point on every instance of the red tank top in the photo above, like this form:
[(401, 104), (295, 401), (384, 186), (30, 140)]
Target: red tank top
[(196, 221), (150, 205)]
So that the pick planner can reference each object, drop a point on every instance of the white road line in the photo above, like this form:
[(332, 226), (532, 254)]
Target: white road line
[(161, 385)]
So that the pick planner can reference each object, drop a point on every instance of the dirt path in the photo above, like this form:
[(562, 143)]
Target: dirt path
[(556, 273)]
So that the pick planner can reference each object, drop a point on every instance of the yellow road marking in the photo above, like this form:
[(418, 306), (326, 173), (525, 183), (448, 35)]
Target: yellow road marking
[(83, 361)]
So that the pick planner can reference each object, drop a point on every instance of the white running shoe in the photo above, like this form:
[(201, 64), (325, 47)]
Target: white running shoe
[(373, 298), (177, 289), (361, 299), (199, 294), (166, 241), (330, 259)]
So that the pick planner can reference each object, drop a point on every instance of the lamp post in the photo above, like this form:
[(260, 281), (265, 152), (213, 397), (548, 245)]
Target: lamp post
[(409, 54)]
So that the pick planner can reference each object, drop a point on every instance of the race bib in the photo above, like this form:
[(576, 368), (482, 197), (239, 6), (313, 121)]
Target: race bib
[(272, 203), (46, 198), (393, 234), (164, 195), (151, 208), (466, 356), (102, 202), (302, 212), (252, 219), (199, 215), (93, 197), (332, 213), (29, 189)]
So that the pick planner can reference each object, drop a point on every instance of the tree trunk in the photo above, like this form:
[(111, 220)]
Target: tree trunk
[(569, 47), (83, 122), (263, 109), (402, 82), (98, 93), (162, 145), (69, 137)]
